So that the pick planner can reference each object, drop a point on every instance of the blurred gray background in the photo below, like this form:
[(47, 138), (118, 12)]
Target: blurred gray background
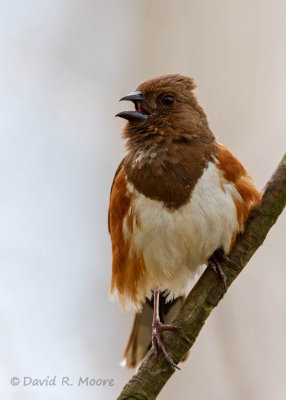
[(63, 66)]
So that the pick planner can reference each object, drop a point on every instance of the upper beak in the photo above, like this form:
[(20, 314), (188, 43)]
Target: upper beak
[(143, 108)]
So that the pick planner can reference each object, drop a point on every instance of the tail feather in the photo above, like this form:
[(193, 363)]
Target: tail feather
[(139, 341)]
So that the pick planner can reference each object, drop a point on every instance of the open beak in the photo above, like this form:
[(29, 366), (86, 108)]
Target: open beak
[(143, 108)]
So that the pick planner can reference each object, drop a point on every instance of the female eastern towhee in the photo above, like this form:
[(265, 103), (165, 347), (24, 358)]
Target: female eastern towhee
[(177, 202)]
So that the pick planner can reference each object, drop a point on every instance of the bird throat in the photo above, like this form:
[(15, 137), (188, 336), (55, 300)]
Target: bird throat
[(169, 171)]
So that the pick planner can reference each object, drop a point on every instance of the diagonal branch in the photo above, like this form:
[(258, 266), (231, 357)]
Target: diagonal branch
[(153, 374)]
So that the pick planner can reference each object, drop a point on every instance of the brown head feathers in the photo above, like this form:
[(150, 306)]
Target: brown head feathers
[(183, 118), (171, 144)]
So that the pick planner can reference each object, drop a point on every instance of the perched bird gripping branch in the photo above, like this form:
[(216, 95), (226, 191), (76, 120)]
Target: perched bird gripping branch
[(178, 201)]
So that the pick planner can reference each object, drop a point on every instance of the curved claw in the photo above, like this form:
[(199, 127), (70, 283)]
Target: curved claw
[(157, 342), (219, 271), (225, 257)]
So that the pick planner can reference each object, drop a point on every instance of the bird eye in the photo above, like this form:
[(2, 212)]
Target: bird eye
[(168, 100)]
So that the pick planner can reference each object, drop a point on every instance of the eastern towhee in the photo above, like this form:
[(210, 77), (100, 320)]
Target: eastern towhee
[(178, 200)]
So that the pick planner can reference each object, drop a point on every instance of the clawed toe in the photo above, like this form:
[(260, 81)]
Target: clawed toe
[(157, 328), (215, 264)]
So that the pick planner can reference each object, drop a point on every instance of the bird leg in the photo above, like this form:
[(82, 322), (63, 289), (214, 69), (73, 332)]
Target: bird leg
[(214, 262), (157, 328)]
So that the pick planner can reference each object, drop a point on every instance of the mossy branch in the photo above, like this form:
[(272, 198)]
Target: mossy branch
[(153, 374)]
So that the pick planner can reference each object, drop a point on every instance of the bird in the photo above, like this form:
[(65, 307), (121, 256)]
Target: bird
[(178, 201)]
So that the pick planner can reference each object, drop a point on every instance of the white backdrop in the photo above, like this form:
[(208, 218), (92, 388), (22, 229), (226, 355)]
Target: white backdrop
[(63, 66)]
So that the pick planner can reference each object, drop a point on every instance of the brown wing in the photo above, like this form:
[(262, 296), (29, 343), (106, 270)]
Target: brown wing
[(127, 268), (116, 173), (234, 172)]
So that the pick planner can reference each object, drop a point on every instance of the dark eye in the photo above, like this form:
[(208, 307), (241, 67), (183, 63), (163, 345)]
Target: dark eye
[(168, 100)]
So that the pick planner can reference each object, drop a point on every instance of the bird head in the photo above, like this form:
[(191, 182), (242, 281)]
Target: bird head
[(165, 108)]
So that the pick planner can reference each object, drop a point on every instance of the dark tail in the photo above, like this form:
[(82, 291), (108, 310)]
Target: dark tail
[(139, 341)]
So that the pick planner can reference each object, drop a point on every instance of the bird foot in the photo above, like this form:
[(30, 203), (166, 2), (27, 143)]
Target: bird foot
[(157, 343), (214, 263)]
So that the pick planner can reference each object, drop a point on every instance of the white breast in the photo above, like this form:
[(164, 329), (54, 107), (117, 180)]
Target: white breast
[(175, 244)]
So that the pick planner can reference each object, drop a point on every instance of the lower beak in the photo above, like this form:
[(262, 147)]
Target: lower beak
[(132, 115), (136, 115)]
